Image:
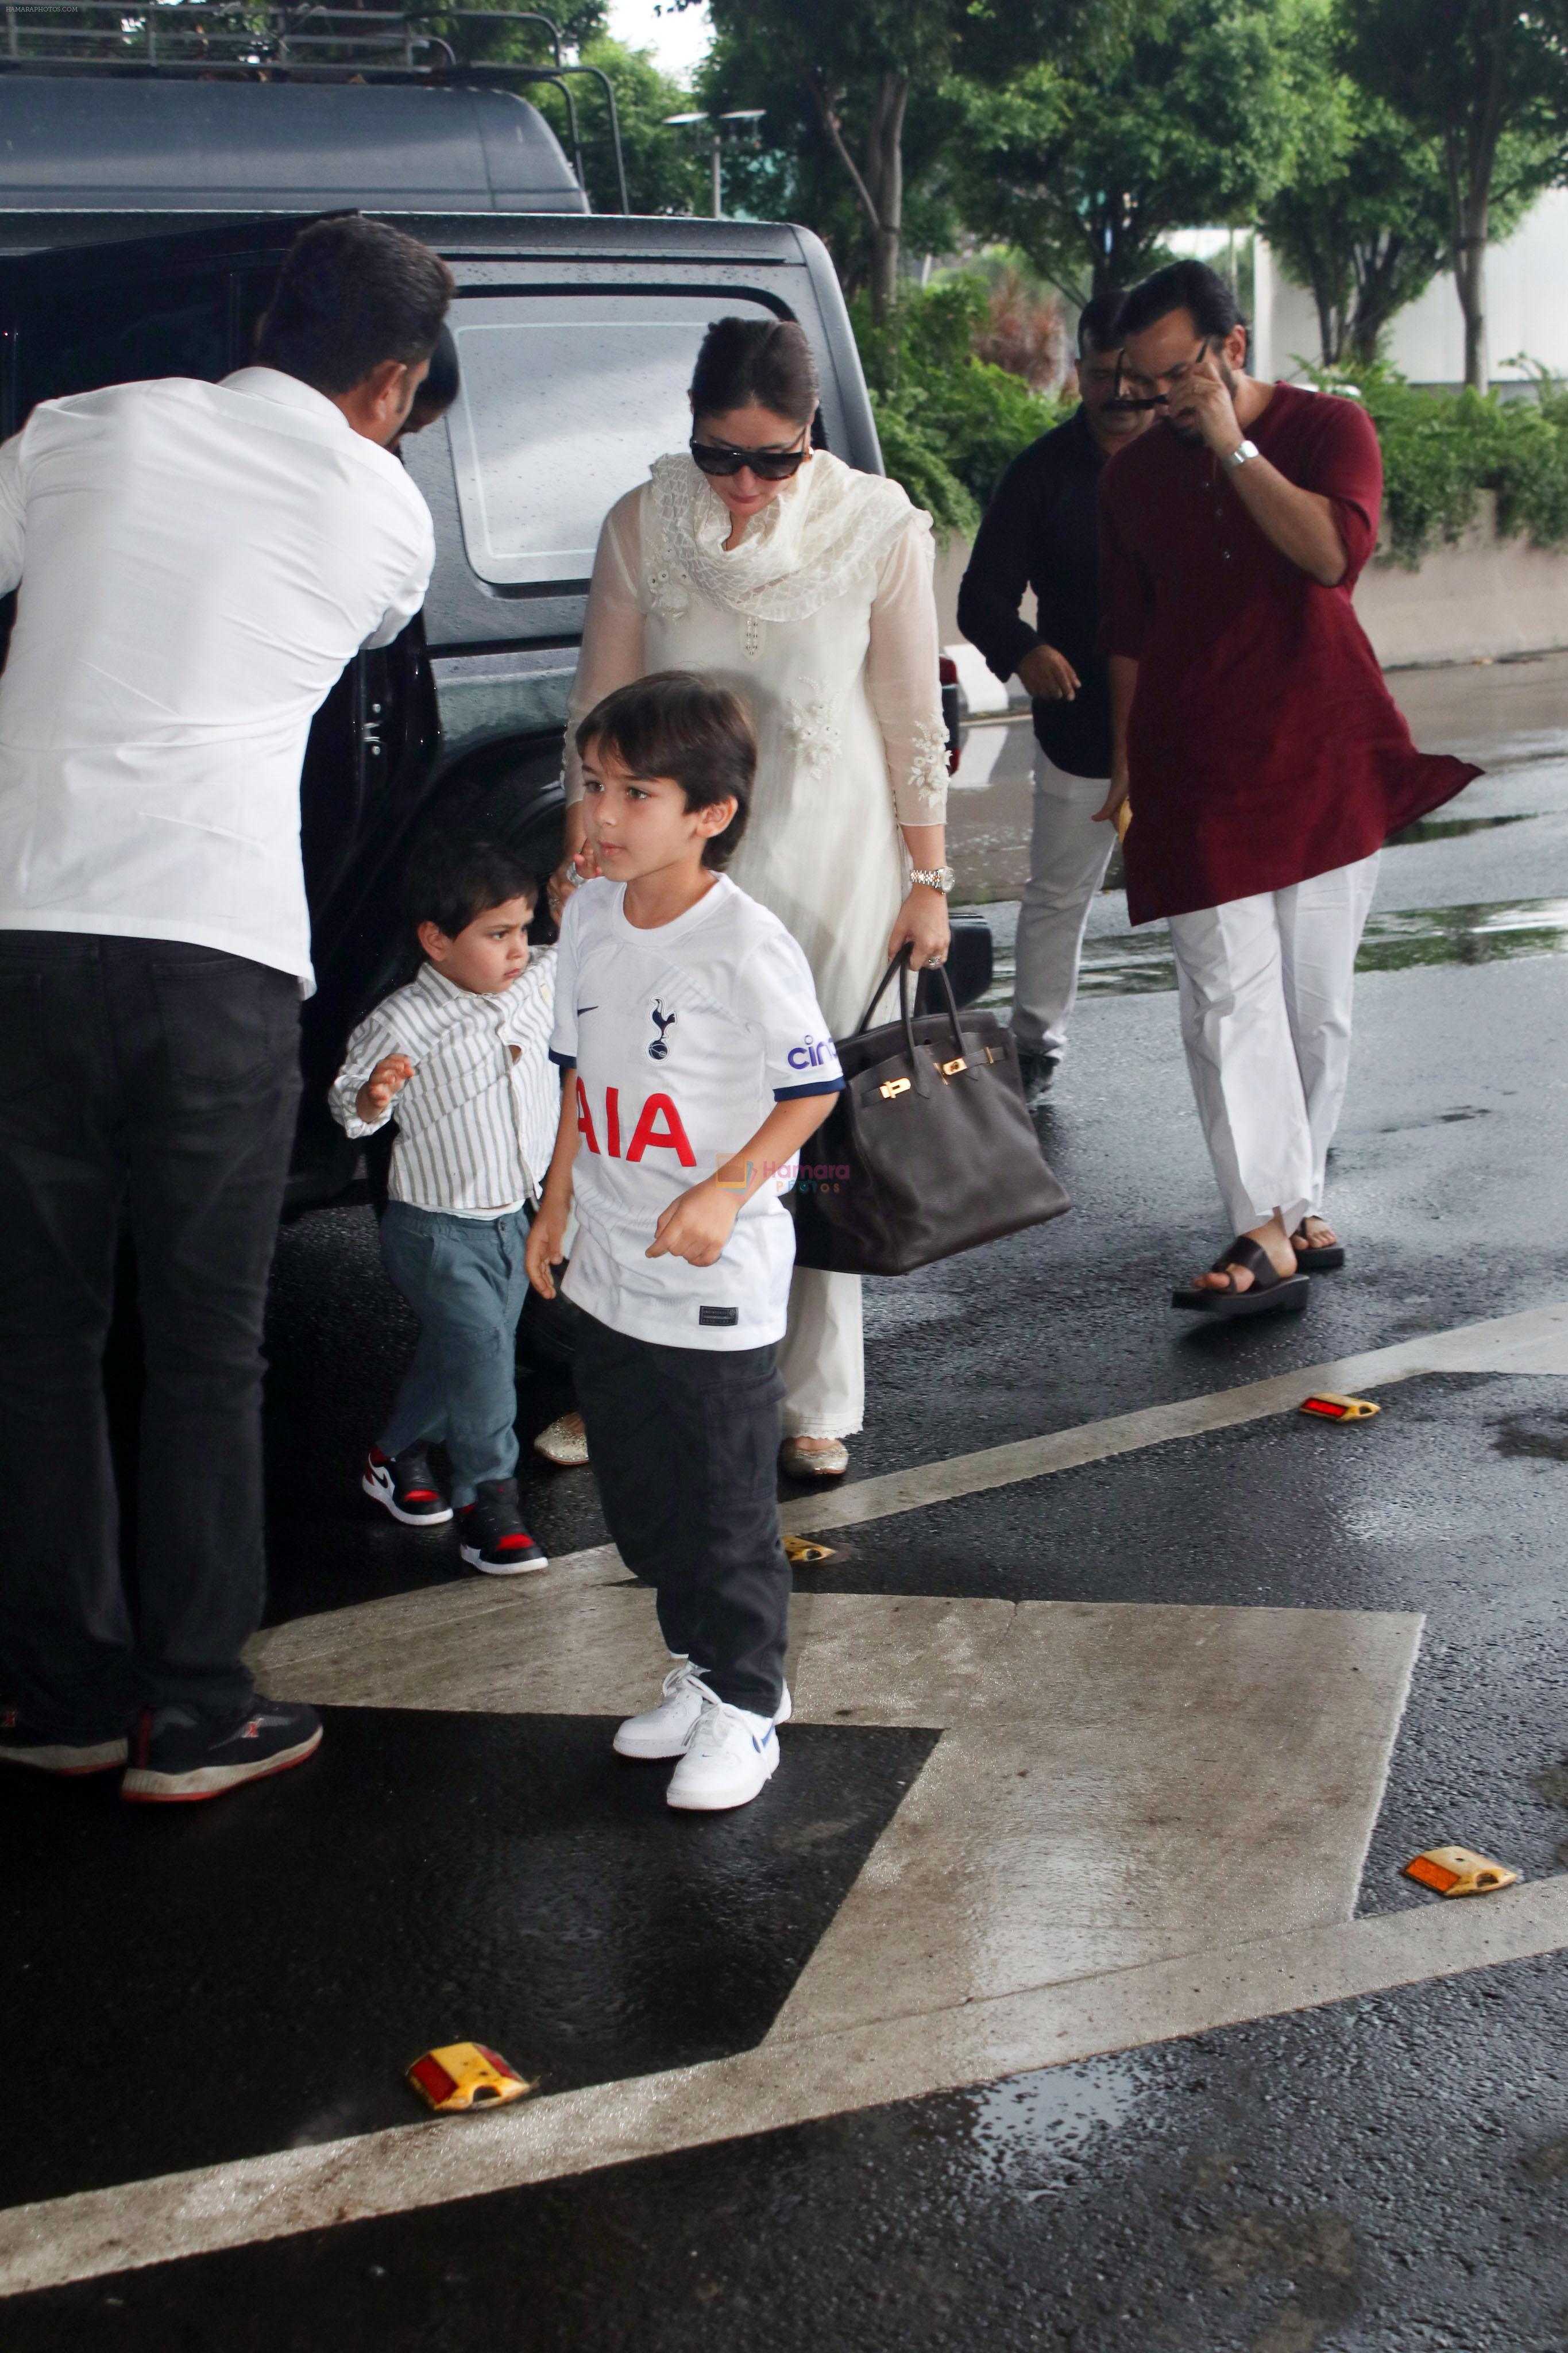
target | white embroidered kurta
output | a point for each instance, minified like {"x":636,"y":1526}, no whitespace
{"x":824,"y":622}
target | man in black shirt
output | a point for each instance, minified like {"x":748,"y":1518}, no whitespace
{"x":1042,"y":532}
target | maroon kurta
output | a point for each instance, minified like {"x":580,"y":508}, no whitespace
{"x":1263,"y":745}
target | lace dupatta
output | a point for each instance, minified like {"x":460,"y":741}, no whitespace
{"x":803,"y":549}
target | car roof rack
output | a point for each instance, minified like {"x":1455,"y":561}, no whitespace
{"x":242,"y":40}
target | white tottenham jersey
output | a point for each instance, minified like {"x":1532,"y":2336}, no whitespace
{"x":476,"y":1123}
{"x":682,"y":1039}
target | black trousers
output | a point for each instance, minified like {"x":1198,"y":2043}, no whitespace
{"x":685,"y":1443}
{"x":158,"y":1081}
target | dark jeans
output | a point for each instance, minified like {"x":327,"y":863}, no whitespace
{"x":158,"y":1081}
{"x":685,"y":1443}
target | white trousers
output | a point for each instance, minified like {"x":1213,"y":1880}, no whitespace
{"x":822,"y":1359}
{"x":1068,"y":858}
{"x":1265,"y":987}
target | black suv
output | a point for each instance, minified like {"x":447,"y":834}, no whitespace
{"x":576,"y":336}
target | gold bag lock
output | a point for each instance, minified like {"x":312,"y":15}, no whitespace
{"x":1456,"y":1870}
{"x":462,"y":2076}
{"x":1332,"y":1405}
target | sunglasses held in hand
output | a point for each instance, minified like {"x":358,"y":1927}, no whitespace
{"x":768,"y":465}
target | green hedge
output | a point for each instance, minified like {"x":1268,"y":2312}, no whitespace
{"x":949,"y":423}
{"x":1441,"y":450}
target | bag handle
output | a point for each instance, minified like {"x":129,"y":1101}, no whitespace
{"x":945,"y":979}
{"x":900,"y":965}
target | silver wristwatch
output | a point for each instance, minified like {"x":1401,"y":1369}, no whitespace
{"x":935,"y":877}
{"x":1239,"y":457}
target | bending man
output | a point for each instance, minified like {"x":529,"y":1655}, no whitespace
{"x":197,"y":563}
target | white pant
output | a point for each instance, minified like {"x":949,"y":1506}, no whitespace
{"x":822,"y":1359}
{"x":1068,"y":858}
{"x":1265,"y":986}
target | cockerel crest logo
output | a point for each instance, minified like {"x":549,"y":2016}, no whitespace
{"x":661,"y":1021}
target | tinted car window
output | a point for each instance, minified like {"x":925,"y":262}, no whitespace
{"x":122,"y":334}
{"x":567,"y":401}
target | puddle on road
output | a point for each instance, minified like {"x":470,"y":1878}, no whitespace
{"x":1445,"y":828}
{"x":1135,"y":963}
{"x":1031,"y":2127}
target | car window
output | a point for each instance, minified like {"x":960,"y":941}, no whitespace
{"x":75,"y":341}
{"x":567,"y":401}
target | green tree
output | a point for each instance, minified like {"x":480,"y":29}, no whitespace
{"x":856,"y":65}
{"x":664,"y":175}
{"x":1180,"y":116}
{"x":1487,"y":81}
{"x":794,"y":172}
{"x":1362,"y":219}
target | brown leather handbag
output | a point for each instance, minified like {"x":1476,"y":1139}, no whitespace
{"x":929,"y":1150}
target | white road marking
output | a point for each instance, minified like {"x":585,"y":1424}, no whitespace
{"x":775,"y":2085}
{"x":1116,"y":1784}
{"x":1237,"y":1742}
{"x":1535,"y":1341}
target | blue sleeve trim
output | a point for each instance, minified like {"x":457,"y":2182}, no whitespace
{"x":818,"y":1087}
{"x":563,"y":1061}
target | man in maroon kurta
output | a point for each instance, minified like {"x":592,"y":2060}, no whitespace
{"x":1265,"y":758}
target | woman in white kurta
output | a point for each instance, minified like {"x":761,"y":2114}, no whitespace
{"x":812,"y":599}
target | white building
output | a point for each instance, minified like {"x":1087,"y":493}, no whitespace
{"x":1527,"y":301}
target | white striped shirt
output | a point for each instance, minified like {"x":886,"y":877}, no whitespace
{"x":476,"y":1124}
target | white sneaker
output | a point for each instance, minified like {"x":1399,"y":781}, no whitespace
{"x":728,"y":1758}
{"x":664,"y":1731}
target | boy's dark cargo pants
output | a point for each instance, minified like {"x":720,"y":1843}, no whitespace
{"x":685,"y":1444}
{"x":159,"y":1082}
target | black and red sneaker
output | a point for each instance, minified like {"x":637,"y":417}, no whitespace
{"x":406,"y":1485}
{"x":45,"y":1752}
{"x":490,"y":1534}
{"x":178,"y":1756}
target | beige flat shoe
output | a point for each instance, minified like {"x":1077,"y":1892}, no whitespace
{"x":829,"y":1462}
{"x":564,"y":1443}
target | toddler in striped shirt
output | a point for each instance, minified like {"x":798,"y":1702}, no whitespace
{"x":462,"y":1056}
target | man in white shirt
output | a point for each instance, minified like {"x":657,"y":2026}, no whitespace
{"x":196,"y":564}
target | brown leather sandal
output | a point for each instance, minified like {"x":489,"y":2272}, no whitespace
{"x":1269,"y":1289}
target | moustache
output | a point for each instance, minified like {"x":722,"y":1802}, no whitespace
{"x":1123,"y":404}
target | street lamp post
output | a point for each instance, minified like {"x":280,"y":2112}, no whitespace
{"x":732,"y":124}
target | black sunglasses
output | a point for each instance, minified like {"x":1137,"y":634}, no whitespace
{"x":768,"y":465}
{"x":1124,"y":400}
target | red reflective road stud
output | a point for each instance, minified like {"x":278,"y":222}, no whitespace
{"x":430,"y":2079}
{"x":1331,"y":1405}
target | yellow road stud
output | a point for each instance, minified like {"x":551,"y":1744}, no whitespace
{"x":462,"y":2076}
{"x":1455,"y":1870}
{"x":801,"y":1553}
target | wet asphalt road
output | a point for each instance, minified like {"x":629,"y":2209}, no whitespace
{"x":1376,"y":2176}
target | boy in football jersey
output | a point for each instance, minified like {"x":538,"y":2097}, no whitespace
{"x":699,"y":1063}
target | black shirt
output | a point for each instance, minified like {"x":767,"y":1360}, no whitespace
{"x":1042,"y":532}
